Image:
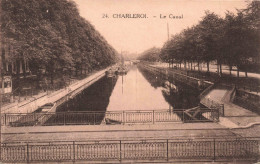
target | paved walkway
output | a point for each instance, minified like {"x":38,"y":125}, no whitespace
{"x":115,"y":132}
{"x":125,"y":132}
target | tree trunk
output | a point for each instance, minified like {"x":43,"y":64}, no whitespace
{"x":207,"y":66}
{"x":230,"y":69}
{"x":81,"y":69}
{"x":70,"y":72}
{"x":17,"y":69}
{"x":24,"y":69}
{"x":76,"y":71}
{"x":237,"y":71}
{"x":220,"y":69}
{"x":198,"y":66}
{"x":185,"y":65}
{"x":51,"y":77}
{"x":3,"y":60}
{"x":246,"y":73}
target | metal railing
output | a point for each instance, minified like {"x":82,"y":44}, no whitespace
{"x":213,"y":104}
{"x":180,"y":76}
{"x":110,"y":117}
{"x":122,"y":150}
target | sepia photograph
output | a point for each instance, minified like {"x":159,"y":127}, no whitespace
{"x":140,"y":81}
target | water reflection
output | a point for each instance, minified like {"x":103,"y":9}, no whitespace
{"x":93,"y":98}
{"x":177,"y":94}
{"x":134,"y":92}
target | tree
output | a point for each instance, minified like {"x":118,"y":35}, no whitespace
{"x":52,"y":35}
{"x":151,"y":55}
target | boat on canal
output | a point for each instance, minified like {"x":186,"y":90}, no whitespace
{"x":122,"y":70}
{"x":110,"y":73}
{"x":169,"y":88}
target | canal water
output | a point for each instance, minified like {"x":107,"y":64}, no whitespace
{"x":139,"y":89}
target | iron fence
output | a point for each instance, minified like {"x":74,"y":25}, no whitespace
{"x":183,"y":76}
{"x":118,"y":150}
{"x":110,"y":117}
{"x":213,"y":104}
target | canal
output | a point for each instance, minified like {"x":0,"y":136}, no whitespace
{"x":140,"y":89}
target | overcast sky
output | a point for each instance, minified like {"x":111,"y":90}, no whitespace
{"x":137,"y":35}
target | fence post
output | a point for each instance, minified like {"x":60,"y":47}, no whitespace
{"x":235,"y":149}
{"x":120,"y":150}
{"x":74,"y":155}
{"x":94,"y":118}
{"x":5,"y":119}
{"x":223,"y":110}
{"x":183,"y":117}
{"x":64,"y":119}
{"x":123,"y":115}
{"x":153,"y":116}
{"x":214,"y":144}
{"x":167,"y":146}
{"x":27,"y":152}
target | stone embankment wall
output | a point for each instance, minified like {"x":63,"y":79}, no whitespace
{"x":59,"y":96}
{"x":248,"y":100}
{"x":191,"y":81}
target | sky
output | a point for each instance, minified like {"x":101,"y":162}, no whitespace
{"x":135,"y":35}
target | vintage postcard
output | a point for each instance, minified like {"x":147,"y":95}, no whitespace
{"x":140,"y":81}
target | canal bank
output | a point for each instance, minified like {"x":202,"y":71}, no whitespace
{"x":220,"y":94}
{"x":57,"y":97}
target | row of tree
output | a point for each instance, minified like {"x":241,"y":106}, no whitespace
{"x":151,"y":55}
{"x":233,"y":40}
{"x":51,"y":35}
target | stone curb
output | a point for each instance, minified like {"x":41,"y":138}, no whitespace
{"x":247,"y":126}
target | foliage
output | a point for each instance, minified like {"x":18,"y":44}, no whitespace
{"x":53,"y":36}
{"x":151,"y":55}
{"x":233,"y":40}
